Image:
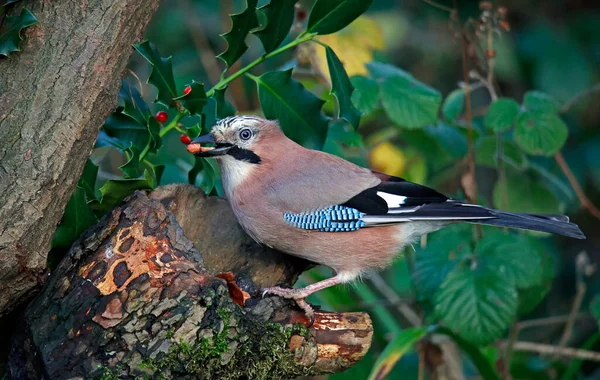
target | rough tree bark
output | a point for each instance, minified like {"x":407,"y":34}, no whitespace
{"x":135,"y":298}
{"x":54,"y":97}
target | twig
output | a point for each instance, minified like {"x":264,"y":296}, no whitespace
{"x":577,"y":98}
{"x":555,"y":320}
{"x":438,"y":6}
{"x":421,"y":362}
{"x":584,"y":269}
{"x":583,"y":199}
{"x":139,"y":82}
{"x":411,"y":316}
{"x":510,"y":346}
{"x":548,"y":349}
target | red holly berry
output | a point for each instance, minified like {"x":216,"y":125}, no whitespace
{"x":185,"y":139}
{"x":187,"y":90}
{"x":162,"y":116}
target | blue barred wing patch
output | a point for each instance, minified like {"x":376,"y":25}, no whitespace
{"x":330,"y":219}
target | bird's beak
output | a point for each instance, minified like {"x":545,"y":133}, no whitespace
{"x":196,"y":148}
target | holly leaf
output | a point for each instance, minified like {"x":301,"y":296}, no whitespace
{"x":502,"y":114}
{"x":77,"y":218}
{"x":408,"y":102}
{"x":132,"y":167}
{"x":204,"y":174}
{"x":443,"y":252}
{"x":126,"y":131}
{"x":154,"y":141}
{"x":342,"y":89}
{"x":10,"y":32}
{"x":161,"y":76}
{"x":298,"y":110}
{"x":133,"y":103}
{"x":329,"y":16}
{"x":540,"y":133}
{"x":195,"y":100}
{"x":365,"y":96}
{"x":393,"y":352}
{"x":453,"y":104}
{"x":115,"y":190}
{"x":88,"y":179}
{"x":223,"y":107}
{"x":478,"y":302}
{"x":280,"y":17}
{"x":241,"y":25}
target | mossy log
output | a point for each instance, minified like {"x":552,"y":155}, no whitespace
{"x":167,"y":286}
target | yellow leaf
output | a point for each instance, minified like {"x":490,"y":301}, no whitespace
{"x":354,"y":46}
{"x":407,"y":163}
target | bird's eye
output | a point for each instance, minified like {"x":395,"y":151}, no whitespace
{"x":245,"y":134}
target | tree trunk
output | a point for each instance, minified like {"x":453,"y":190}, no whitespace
{"x":134,"y":297}
{"x":54,"y":97}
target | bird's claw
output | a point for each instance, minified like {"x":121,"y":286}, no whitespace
{"x":296,"y":295}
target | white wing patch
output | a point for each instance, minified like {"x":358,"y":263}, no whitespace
{"x":392,"y":200}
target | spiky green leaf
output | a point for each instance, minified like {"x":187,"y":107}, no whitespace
{"x":10,"y":32}
{"x":298,"y":110}
{"x":342,"y":89}
{"x":195,"y":100}
{"x":223,"y":107}
{"x":161,"y":76}
{"x":133,"y":103}
{"x":132,"y":167}
{"x":329,"y":16}
{"x":279,"y":15}
{"x":204,"y":174}
{"x":241,"y":25}
{"x":113,"y":191}
{"x":77,"y":218}
{"x":88,"y":179}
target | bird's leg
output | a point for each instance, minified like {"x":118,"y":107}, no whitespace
{"x":300,"y":294}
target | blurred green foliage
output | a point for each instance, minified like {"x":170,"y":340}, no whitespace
{"x":388,"y":89}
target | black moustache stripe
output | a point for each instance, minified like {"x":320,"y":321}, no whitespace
{"x":245,"y":155}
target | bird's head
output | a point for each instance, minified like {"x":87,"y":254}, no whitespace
{"x":241,"y":138}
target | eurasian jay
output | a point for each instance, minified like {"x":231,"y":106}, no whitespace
{"x":330,"y":211}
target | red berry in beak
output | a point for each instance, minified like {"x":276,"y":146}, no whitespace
{"x":185,"y":139}
{"x":162,"y":116}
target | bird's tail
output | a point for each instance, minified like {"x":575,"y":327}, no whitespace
{"x":556,"y":224}
{"x":455,"y":211}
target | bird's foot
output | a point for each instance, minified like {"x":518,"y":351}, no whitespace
{"x":297,"y":295}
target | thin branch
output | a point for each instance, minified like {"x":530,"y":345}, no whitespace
{"x":409,"y":314}
{"x":579,"y":97}
{"x":548,"y":349}
{"x":583,"y":199}
{"x":554,"y":320}
{"x":438,"y":6}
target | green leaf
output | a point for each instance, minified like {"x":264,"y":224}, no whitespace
{"x":133,"y":103}
{"x":280,"y":17}
{"x":540,"y":133}
{"x":394,"y":351}
{"x":241,"y":25}
{"x":444,"y":251}
{"x":113,"y":191}
{"x":382,"y":71}
{"x":523,"y":194}
{"x":223,"y":107}
{"x":486,"y":371}
{"x":451,"y":139}
{"x":132,"y":167}
{"x":540,"y":102}
{"x":513,"y":256}
{"x":88,"y":179}
{"x":531,"y":297}
{"x":365,"y":96}
{"x":454,"y":103}
{"x":204,"y":174}
{"x":298,"y":110}
{"x":343,"y":141}
{"x":77,"y":218}
{"x":478,"y":302}
{"x":10,"y":32}
{"x":161,"y":76}
{"x":154,"y":142}
{"x":408,"y":102}
{"x":342,"y":89}
{"x":329,"y":16}
{"x":195,"y":100}
{"x":502,"y":114}
{"x":126,"y":131}
{"x":486,"y":152}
